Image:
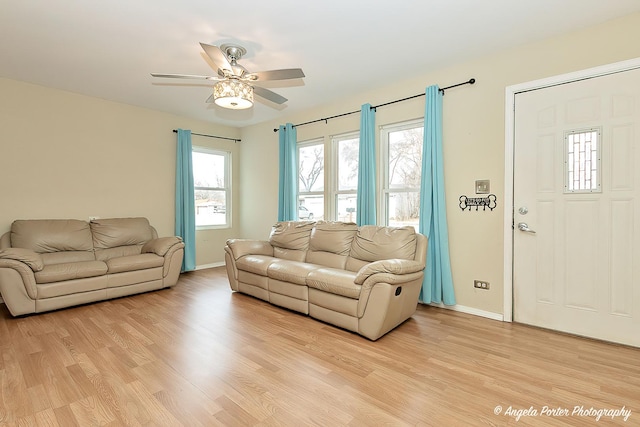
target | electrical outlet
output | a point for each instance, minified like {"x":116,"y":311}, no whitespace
{"x":483,"y":186}
{"x":481,"y":284}
{"x":92,"y":218}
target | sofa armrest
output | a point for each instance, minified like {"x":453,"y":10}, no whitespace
{"x":24,"y":274}
{"x":388,"y":267}
{"x":242,"y":247}
{"x":161,"y":245}
{"x":385,"y":285}
{"x":26,"y":256}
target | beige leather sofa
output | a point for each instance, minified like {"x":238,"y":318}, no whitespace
{"x":51,"y":264}
{"x":365,"y":279}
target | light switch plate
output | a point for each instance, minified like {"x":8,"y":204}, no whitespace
{"x":483,"y":186}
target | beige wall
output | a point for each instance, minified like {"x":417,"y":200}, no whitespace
{"x":64,"y":155}
{"x":473,"y":138}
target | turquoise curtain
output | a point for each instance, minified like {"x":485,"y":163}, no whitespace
{"x":366,"y":195}
{"x":437,"y":286}
{"x":185,"y":199}
{"x":288,"y":178}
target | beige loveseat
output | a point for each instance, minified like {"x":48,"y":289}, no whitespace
{"x":365,"y":279}
{"x":51,"y":264}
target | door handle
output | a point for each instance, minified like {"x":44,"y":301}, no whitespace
{"x":523,"y":226}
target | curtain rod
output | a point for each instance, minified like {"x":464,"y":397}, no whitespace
{"x":212,"y":136}
{"x":469,"y":82}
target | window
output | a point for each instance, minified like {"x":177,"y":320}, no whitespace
{"x":311,"y":180}
{"x":346,"y":149}
{"x":402,"y":165}
{"x":582,"y":161}
{"x":212,"y":184}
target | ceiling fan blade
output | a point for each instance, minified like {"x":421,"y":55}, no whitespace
{"x":285,"y":74}
{"x":269,"y":95}
{"x":185,"y":76}
{"x":217,"y":56}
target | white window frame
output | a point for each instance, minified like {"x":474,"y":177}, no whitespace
{"x":335,"y":190}
{"x":323,"y":192}
{"x":385,"y":130}
{"x":227,"y":186}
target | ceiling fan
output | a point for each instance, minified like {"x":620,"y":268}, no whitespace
{"x":234,"y":88}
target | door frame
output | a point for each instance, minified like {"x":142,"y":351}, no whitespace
{"x":509,"y":145}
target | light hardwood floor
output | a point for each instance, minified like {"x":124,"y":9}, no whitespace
{"x":200,"y":355}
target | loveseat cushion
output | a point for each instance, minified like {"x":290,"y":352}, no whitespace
{"x":334,"y":281}
{"x":69,"y":271}
{"x":113,"y":232}
{"x":134,"y":262}
{"x":51,"y":235}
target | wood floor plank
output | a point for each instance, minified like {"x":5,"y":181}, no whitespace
{"x":46,"y":418}
{"x":200,"y":355}
{"x":65,"y":417}
{"x":91,"y":411}
{"x":191,"y":411}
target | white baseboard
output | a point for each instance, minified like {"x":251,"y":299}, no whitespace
{"x":205,"y":266}
{"x":471,"y":310}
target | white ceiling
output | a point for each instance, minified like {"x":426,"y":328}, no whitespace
{"x":107,"y":49}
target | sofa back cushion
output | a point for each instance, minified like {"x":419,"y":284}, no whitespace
{"x":330,"y":243}
{"x":113,"y":232}
{"x":374,"y":243}
{"x":117,"y":237}
{"x":290,"y":239}
{"x":52,"y":235}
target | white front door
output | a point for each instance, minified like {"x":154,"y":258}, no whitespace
{"x":576,"y":242}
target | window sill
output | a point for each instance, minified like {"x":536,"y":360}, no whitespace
{"x":212,"y":227}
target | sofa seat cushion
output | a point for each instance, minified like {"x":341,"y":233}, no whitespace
{"x":290,"y":271}
{"x":117,"y":252}
{"x":72,"y":287}
{"x":257,"y":264}
{"x":134,"y":262}
{"x":69,"y":271}
{"x":67,"y":257}
{"x":334,"y":281}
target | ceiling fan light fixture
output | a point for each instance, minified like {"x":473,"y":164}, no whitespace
{"x":233,"y":94}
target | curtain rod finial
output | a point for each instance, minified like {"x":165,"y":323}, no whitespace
{"x":472,"y":81}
